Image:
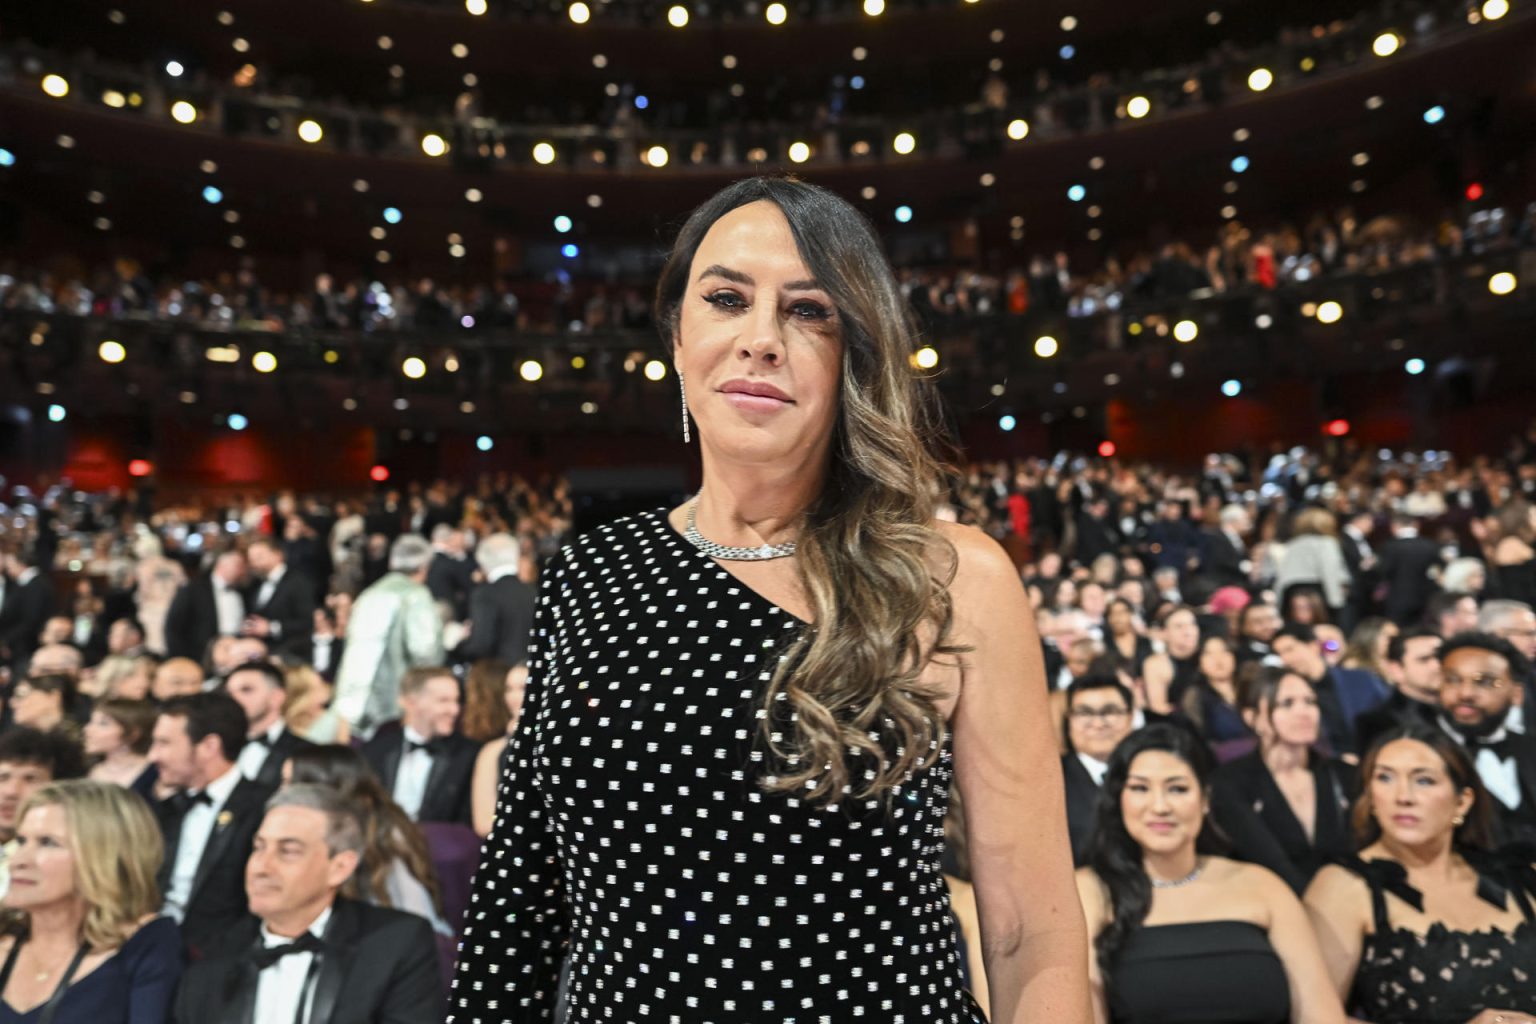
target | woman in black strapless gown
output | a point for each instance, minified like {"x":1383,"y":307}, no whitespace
{"x":1182,"y":936}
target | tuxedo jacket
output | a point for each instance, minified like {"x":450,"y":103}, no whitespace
{"x":292,"y":606}
{"x":26,"y":611}
{"x":447,"y":796}
{"x":1248,"y":805}
{"x":379,"y":966}
{"x":1398,"y":710}
{"x":285,"y":746}
{"x":1518,"y":824}
{"x":1221,"y":561}
{"x":217,"y":900}
{"x":451,"y":580}
{"x":1402,"y":565}
{"x":192,"y":621}
{"x":1082,"y":803}
{"x":502,"y":617}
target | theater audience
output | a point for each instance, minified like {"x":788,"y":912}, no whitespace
{"x":29,"y":603}
{"x":1427,"y":925}
{"x":1177,"y":932}
{"x":209,"y":821}
{"x":1412,"y":668}
{"x":501,"y":608}
{"x":423,"y":760}
{"x":280,"y":607}
{"x":117,"y":744}
{"x":1479,"y":684}
{"x":308,"y":709}
{"x":1100,"y":713}
{"x":261,"y":689}
{"x":29,"y":760}
{"x":210,"y":606}
{"x":1343,"y":694}
{"x":370,"y":965}
{"x":487,"y":775}
{"x":85,"y":942}
{"x":396,"y":869}
{"x":1285,"y":806}
{"x":395,"y":627}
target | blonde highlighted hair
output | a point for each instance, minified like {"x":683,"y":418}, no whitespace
{"x":117,"y":849}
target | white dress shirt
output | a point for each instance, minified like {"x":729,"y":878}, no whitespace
{"x":268,"y":588}
{"x":1501,"y":776}
{"x":196,"y":828}
{"x":255,"y":753}
{"x":411,"y":777}
{"x":229,"y":606}
{"x":280,"y":987}
{"x":1096,"y":768}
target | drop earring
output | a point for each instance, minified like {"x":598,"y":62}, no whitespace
{"x":683,"y":391}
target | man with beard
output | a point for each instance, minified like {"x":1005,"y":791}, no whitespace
{"x":1412,"y":666}
{"x":1478,"y":685}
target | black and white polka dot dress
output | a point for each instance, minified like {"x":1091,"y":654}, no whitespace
{"x":634,"y":836}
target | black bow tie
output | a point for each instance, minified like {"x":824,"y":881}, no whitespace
{"x":1503,"y":748}
{"x":184,"y":802}
{"x":266,"y":956}
{"x":432,"y":747}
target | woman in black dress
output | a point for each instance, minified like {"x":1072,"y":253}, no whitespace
{"x":726,"y":799}
{"x":1180,"y":934}
{"x":1428,"y":925}
{"x":1285,"y":806}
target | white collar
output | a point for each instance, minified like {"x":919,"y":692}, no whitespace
{"x":316,"y":928}
{"x":500,"y":572}
{"x":276,"y":575}
{"x":27,"y":576}
{"x":276,"y":730}
{"x":413,"y":736}
{"x":1096,"y":768}
{"x":220,"y":788}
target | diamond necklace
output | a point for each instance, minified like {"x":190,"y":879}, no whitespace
{"x":1177,"y":883}
{"x":713,"y":550}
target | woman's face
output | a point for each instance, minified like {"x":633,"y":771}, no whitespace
{"x":516,"y":688}
{"x":1162,"y":803}
{"x":1412,"y":795}
{"x":43,"y":867}
{"x":1066,"y":594}
{"x":103,"y":734}
{"x":133,"y":686}
{"x":752,"y":317}
{"x":1119,"y":619}
{"x":1216,"y":660}
{"x":1295,"y":718}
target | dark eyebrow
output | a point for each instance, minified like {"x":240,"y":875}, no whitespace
{"x":737,"y":277}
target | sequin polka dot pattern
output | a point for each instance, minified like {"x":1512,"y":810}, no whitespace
{"x":633,"y":833}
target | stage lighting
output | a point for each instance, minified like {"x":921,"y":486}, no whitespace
{"x":235,"y":421}
{"x":1138,"y":107}
{"x":562,"y":224}
{"x":799,"y":152}
{"x":570,"y":250}
{"x":1077,"y":193}
{"x":531,"y":370}
{"x":1414,"y":367}
{"x":1067,"y":52}
{"x":1386,"y":44}
{"x":904,"y":143}
{"x":414,"y":367}
{"x":174,"y":68}
{"x":476,"y":7}
{"x":926,"y":358}
{"x":874,"y":8}
{"x":1474,"y":192}
{"x":579,"y":12}
{"x":433,"y":144}
{"x":55,"y":86}
{"x":392,"y":215}
{"x":1260,"y":79}
{"x":657,"y":156}
{"x":56,"y":414}
{"x":1434,"y":115}
{"x":212,"y":194}
{"x":310,"y":131}
{"x":112,"y":352}
{"x":1006,"y":423}
{"x":655,"y":370}
{"x":1502,"y":283}
{"x":183,"y":112}
{"x":1329,"y":312}
{"x":904,"y":214}
{"x":264,"y":362}
{"x":1046,"y":346}
{"x":1107,"y":449}
{"x":776,"y":14}
{"x":1232,"y":388}
{"x":677,"y":16}
{"x":1493,"y":10}
{"x":1186,"y":331}
{"x":1018,"y":128}
{"x":379,"y":474}
{"x":484,"y":443}
{"x":7,"y":158}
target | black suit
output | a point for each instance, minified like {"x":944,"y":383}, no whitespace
{"x":217,"y":900}
{"x":450,"y":580}
{"x":292,"y":607}
{"x":192,"y":621}
{"x":1256,"y":817}
{"x":502,"y":616}
{"x":447,"y":796}
{"x":1398,"y":710}
{"x":1082,"y":804}
{"x":379,"y":966}
{"x":1516,"y":824}
{"x":279,"y":750}
{"x":1221,"y":561}
{"x":28,"y":607}
{"x":1403,"y":565}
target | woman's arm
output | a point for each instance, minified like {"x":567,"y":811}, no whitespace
{"x":482,"y":787}
{"x":1336,"y":904}
{"x":1034,"y":944}
{"x":1156,"y":678}
{"x":1313,"y":1001}
{"x":1090,"y":893}
{"x":962,"y":900}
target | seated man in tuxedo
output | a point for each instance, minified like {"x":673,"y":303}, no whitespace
{"x":1343,"y":694}
{"x":281,"y":607}
{"x":209,"y":823}
{"x":423,"y":759}
{"x":1412,"y":665}
{"x":261,"y":690}
{"x":1479,"y":683}
{"x":1100,"y":714}
{"x":309,"y":954}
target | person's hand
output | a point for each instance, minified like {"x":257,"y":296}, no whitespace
{"x":255,"y":625}
{"x":1491,"y":1016}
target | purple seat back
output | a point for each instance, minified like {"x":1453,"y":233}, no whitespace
{"x":455,"y":851}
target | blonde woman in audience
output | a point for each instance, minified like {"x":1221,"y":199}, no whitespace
{"x":307,"y":708}
{"x":82,"y":929}
{"x":120,"y":675}
{"x":488,"y":763}
{"x":117,"y":742}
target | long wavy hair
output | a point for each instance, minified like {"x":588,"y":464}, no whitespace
{"x":388,"y":832}
{"x":1476,"y":831}
{"x":846,"y":707}
{"x":1115,"y":856}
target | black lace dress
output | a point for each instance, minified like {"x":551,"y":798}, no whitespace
{"x":1445,"y":976}
{"x":633,"y":835}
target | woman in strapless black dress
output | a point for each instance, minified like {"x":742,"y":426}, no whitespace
{"x":1428,"y":925}
{"x":725,"y":803}
{"x":1180,"y":934}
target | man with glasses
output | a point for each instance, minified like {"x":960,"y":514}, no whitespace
{"x":1479,"y":684}
{"x":1100,"y":714}
{"x":1515,"y":622}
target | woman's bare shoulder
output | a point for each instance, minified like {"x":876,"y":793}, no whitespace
{"x":978,"y":559}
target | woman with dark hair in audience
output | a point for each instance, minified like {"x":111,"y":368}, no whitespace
{"x":1210,"y":701}
{"x":1172,"y":670}
{"x":117,"y":740}
{"x":485,"y":703}
{"x":1285,"y":806}
{"x":396,"y":869}
{"x":82,"y":937}
{"x":1178,"y":933}
{"x":1302,"y":605}
{"x":1126,"y":646}
{"x":483,"y":784}
{"x":1428,"y":924}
